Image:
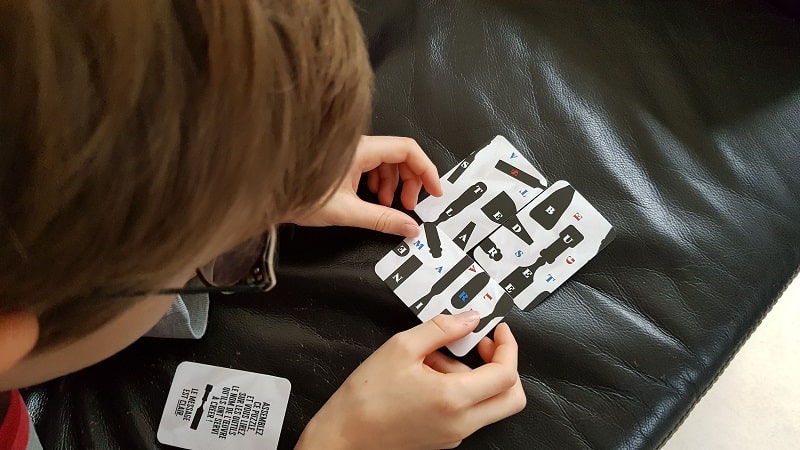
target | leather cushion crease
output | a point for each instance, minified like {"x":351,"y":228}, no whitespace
{"x":678,"y":121}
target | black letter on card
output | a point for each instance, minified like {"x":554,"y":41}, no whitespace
{"x":462,"y":237}
{"x":513,"y":224}
{"x":446,"y":280}
{"x":462,"y":166}
{"x":552,"y":208}
{"x":403,"y":272}
{"x":402,"y":249}
{"x":513,"y":172}
{"x":466,"y":198}
{"x":500,"y":208}
{"x":491,"y":249}
{"x":465,"y":295}
{"x":522,"y":277}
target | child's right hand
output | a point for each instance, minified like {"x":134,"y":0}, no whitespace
{"x":408,"y":395}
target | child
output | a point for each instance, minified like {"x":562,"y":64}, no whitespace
{"x":141,"y":140}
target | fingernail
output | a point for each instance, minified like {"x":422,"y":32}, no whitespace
{"x":468,"y":317}
{"x":410,"y":230}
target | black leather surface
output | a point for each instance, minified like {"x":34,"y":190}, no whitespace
{"x":678,"y":120}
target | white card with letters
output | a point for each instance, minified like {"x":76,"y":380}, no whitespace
{"x":482,"y":192}
{"x":553,"y":237}
{"x":514,"y":241}
{"x":431,"y":275}
{"x":210,"y":407}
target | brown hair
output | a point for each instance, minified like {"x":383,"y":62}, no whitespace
{"x":130,"y":131}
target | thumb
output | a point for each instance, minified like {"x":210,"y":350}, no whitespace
{"x":381,"y":218}
{"x":440,"y":331}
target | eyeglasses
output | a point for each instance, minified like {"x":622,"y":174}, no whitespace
{"x":250,"y":265}
{"x":248,"y":268}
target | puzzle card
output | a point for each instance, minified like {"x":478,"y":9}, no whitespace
{"x":544,"y":244}
{"x":219,"y":408}
{"x":482,"y":192}
{"x":431,"y":275}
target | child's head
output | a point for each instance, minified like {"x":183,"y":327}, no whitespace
{"x":141,"y":139}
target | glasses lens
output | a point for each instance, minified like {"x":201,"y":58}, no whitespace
{"x":237,"y":265}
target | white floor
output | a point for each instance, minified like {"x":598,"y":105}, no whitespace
{"x":755,"y":403}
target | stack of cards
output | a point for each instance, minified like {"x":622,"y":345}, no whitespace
{"x":514,"y":241}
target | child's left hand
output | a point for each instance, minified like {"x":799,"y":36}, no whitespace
{"x":386,"y":160}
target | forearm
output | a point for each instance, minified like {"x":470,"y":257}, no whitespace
{"x":319,"y":434}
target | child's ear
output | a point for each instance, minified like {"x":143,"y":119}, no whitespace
{"x":19,"y":331}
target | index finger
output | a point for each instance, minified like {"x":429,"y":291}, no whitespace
{"x":498,"y":375}
{"x":397,"y":150}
